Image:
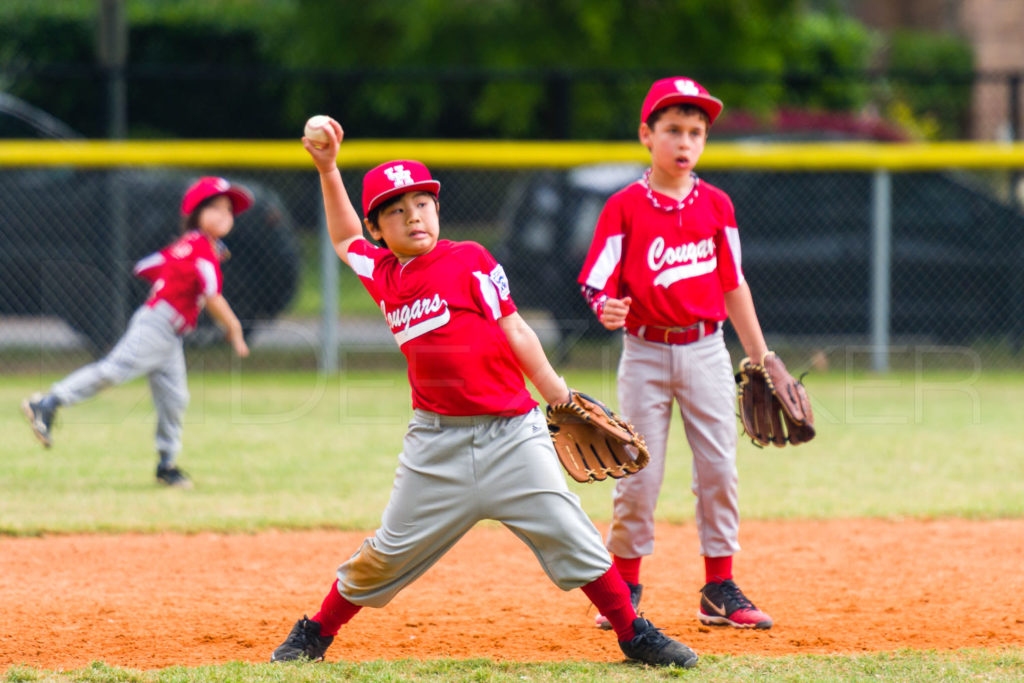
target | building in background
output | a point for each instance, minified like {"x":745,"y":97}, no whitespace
{"x":995,"y":30}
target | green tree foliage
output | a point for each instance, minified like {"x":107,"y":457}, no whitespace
{"x":827,"y":54}
{"x":194,"y":65}
{"x":453,"y":68}
{"x":32,"y":41}
{"x":504,"y":60}
{"x":930,"y":82}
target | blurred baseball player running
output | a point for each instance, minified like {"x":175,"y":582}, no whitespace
{"x":186,"y":276}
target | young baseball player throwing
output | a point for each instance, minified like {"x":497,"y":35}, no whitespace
{"x":477,"y":446}
{"x":186,"y":276}
{"x":665,"y":265}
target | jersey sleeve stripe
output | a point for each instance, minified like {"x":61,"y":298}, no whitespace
{"x":151,"y":261}
{"x":208,"y":275}
{"x":606,"y":263}
{"x":362,"y":265}
{"x":489,"y":293}
{"x":732,"y":235}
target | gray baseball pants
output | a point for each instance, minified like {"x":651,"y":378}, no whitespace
{"x":456,"y":471}
{"x":699,"y":377}
{"x":152,"y":346}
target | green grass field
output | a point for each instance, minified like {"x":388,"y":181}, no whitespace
{"x":296,"y":450}
{"x":903,"y":667}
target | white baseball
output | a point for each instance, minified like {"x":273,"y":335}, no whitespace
{"x":316,"y":130}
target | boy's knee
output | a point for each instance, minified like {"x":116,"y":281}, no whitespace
{"x":367,"y":578}
{"x":108,"y":377}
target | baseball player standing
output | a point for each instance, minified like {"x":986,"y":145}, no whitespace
{"x":665,"y":265}
{"x":186,"y":275}
{"x":477,"y":446}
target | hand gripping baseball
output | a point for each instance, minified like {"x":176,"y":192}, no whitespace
{"x":774,"y":406}
{"x":592,"y":442}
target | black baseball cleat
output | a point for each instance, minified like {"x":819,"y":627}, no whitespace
{"x":172,"y":476}
{"x":39,"y":410}
{"x":651,"y":646}
{"x":303,"y":643}
{"x":724,"y":604}
{"x":636,"y":590}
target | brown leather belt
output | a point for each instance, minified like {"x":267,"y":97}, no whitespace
{"x":676,"y":335}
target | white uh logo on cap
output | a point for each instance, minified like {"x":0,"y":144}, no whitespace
{"x":687,"y":87}
{"x":398,"y":175}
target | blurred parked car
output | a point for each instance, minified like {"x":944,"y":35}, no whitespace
{"x":70,"y":237}
{"x":806,"y":247}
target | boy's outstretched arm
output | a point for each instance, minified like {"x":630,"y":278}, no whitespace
{"x":217,"y":306}
{"x":532,"y":359}
{"x":740,"y":305}
{"x":342,"y":220}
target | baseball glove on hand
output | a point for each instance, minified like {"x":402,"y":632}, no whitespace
{"x":592,"y":442}
{"x":774,"y":407}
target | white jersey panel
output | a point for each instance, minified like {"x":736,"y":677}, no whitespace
{"x":732,"y":235}
{"x":151,"y":261}
{"x":362,"y":265}
{"x":208,"y":277}
{"x":606,"y":263}
{"x":489,"y":293}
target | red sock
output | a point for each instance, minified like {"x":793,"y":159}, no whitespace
{"x":629,"y":568}
{"x":335,"y":611}
{"x":717,"y":569}
{"x":610,"y":595}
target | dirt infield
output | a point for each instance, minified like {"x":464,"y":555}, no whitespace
{"x":151,"y":601}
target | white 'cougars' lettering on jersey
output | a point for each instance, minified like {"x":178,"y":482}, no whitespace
{"x":694,"y":258}
{"x":424,"y":315}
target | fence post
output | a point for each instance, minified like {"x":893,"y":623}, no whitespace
{"x":881,"y":263}
{"x":1016,"y":133}
{"x":120,"y":266}
{"x":558,"y":86}
{"x":329,"y":297}
{"x":1016,"y":200}
{"x":112,"y":52}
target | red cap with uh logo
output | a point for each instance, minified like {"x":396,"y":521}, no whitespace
{"x":211,"y":186}
{"x":393,"y":178}
{"x":678,"y":90}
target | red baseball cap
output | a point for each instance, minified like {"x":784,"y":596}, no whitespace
{"x":211,"y":186}
{"x":679,"y":90}
{"x":394,"y":178}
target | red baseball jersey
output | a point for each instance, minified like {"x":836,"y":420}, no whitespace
{"x":183,"y":274}
{"x":443,"y":309}
{"x":676,"y":259}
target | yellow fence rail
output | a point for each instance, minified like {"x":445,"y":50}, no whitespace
{"x":837,"y":156}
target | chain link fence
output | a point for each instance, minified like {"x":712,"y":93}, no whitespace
{"x":869,"y":263}
{"x":874,"y":267}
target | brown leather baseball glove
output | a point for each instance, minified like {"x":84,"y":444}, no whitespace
{"x":774,"y":406}
{"x":592,"y":442}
